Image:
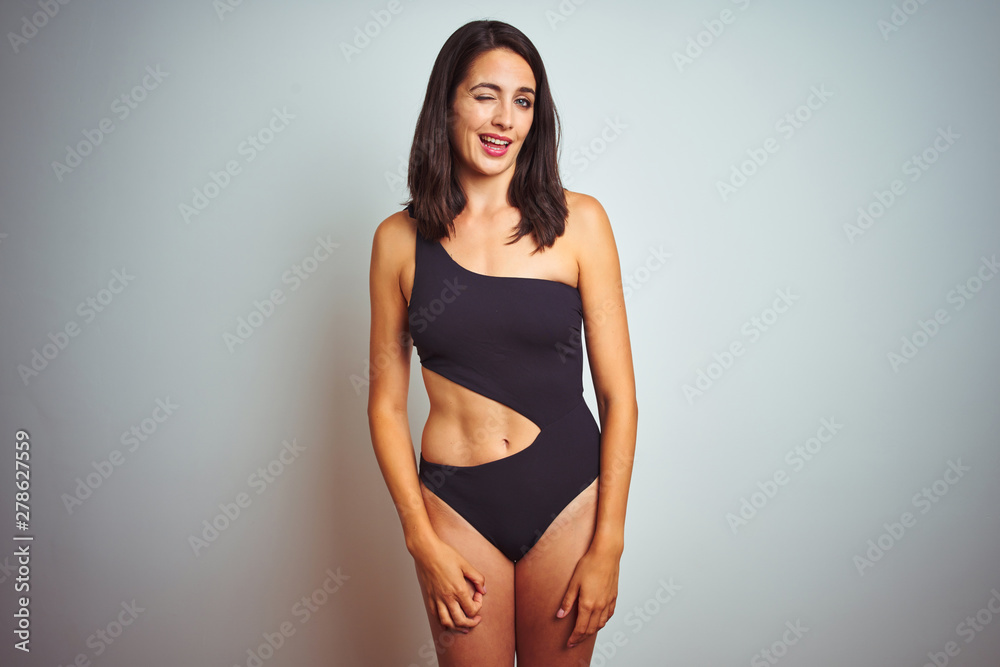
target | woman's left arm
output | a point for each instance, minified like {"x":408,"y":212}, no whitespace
{"x":594,"y":584}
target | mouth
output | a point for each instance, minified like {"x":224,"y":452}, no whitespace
{"x":494,"y":145}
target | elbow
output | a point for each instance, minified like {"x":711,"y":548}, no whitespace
{"x":619,"y":402}
{"x":378,"y":410}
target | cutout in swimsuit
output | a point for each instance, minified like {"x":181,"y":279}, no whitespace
{"x":516,"y":341}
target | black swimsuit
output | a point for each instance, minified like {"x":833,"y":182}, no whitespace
{"x":516,"y":341}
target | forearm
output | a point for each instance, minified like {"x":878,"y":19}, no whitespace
{"x":393,"y":446}
{"x":618,"y":433}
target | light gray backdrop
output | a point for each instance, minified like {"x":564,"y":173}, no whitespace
{"x":804,"y":197}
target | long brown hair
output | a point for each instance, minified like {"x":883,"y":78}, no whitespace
{"x":436,"y":197}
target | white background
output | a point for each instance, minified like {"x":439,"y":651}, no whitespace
{"x":330,"y":173}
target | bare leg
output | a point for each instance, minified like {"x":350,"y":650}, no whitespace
{"x":491,"y":643}
{"x":540,"y":582}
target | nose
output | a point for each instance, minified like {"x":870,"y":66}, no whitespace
{"x":504,"y":116}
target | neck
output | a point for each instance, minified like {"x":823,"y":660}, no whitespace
{"x":485,"y":195}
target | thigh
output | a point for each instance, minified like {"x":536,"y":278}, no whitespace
{"x":491,"y":643}
{"x":540,"y":582}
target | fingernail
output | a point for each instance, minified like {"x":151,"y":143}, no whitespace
{"x":560,"y":613}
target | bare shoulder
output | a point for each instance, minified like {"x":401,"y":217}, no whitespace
{"x":587,"y":223}
{"x":393,"y":240}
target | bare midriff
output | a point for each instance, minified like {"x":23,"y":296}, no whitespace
{"x":465,"y":428}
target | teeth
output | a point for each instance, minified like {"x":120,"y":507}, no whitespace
{"x":498,"y":142}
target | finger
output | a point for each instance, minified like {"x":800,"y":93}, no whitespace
{"x":568,"y":599}
{"x":476,"y":601}
{"x":595,"y":622}
{"x":462,"y":622}
{"x":476,"y":577}
{"x":580,"y":629}
{"x":475,"y":605}
{"x":444,"y":616}
{"x":470,"y":603}
{"x":605,"y":615}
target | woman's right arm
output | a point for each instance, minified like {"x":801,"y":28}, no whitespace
{"x":390,"y":349}
{"x":446,"y":573}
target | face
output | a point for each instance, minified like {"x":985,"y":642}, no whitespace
{"x":496,"y":100}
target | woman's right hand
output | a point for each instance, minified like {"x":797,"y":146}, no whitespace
{"x":452,"y":586}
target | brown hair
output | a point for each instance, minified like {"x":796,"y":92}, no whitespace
{"x":436,"y":197}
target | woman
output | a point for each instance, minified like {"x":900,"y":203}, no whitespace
{"x":515,"y":516}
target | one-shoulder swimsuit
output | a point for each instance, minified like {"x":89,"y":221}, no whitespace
{"x":516,"y":341}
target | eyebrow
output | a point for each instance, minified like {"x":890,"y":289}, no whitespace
{"x":493,"y":86}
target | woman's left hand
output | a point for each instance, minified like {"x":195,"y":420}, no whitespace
{"x":594,"y":586}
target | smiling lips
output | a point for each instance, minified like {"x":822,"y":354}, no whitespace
{"x":494,"y":144}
